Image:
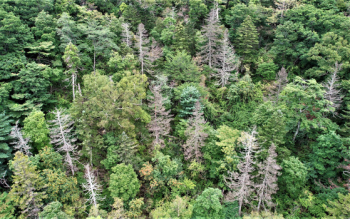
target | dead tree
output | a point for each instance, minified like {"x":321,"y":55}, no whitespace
{"x":240,"y":183}
{"x":195,"y":135}
{"x":126,"y":34}
{"x":152,"y":54}
{"x":210,"y":42}
{"x":284,"y":5}
{"x":91,"y":186}
{"x":142,"y":41}
{"x":281,"y":80}
{"x":333,"y":93}
{"x":268,"y":171}
{"x":226,"y":62}
{"x":21,"y":143}
{"x":160,"y":120}
{"x":63,"y":137}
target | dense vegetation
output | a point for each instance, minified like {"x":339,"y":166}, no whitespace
{"x":174,"y":109}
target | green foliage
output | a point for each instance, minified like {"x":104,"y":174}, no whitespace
{"x":123,"y":182}
{"x":36,"y":129}
{"x":7,"y":209}
{"x":327,"y":156}
{"x":120,"y":149}
{"x":27,"y":192}
{"x":135,"y":208}
{"x":5,"y":150}
{"x":247,"y":42}
{"x":340,"y":208}
{"x":208,"y":204}
{"x":189,"y":96}
{"x":181,"y":67}
{"x":198,"y":11}
{"x":180,"y":207}
{"x":293,"y":177}
{"x":267,"y":71}
{"x":53,"y":210}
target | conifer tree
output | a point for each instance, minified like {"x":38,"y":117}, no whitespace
{"x":141,"y":45}
{"x":160,"y":118}
{"x":226,"y":62}
{"x":241,"y":183}
{"x":268,"y":171}
{"x":127,"y":34}
{"x":26,"y":192}
{"x":20,"y":143}
{"x":332,"y":93}
{"x":211,"y":42}
{"x":72,"y":60}
{"x":120,"y":150}
{"x":5,"y":150}
{"x":63,"y":137}
{"x":195,"y":135}
{"x":247,"y":40}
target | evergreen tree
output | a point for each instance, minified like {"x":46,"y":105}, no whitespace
{"x":247,"y":41}
{"x":5,"y":150}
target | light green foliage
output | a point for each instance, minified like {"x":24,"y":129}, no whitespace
{"x":178,"y":208}
{"x":36,"y":129}
{"x":306,"y":106}
{"x":26,"y":193}
{"x":97,"y":213}
{"x":331,"y":49}
{"x":293,"y":177}
{"x":267,"y":71}
{"x":107,"y":105}
{"x":117,"y":209}
{"x":247,"y":42}
{"x":5,"y":150}
{"x":179,"y":66}
{"x":227,"y":142}
{"x":53,"y":211}
{"x":7,"y":209}
{"x":340,"y":208}
{"x":327,"y":156}
{"x":208,"y":204}
{"x":263,"y":215}
{"x":121,"y":66}
{"x":135,"y":208}
{"x":123,"y":182}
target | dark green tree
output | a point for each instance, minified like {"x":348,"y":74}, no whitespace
{"x":5,"y":150}
{"x":247,"y":41}
{"x":208,"y":204}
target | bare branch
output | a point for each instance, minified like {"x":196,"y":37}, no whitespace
{"x":332,"y":92}
{"x":91,"y":186}
{"x":22,"y":143}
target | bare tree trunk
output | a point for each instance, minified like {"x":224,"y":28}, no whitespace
{"x":297,"y":131}
{"x":73,"y":85}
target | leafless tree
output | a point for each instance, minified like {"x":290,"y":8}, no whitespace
{"x":211,"y":42}
{"x":268,"y":171}
{"x":195,"y":135}
{"x":91,"y":186}
{"x":21,"y":143}
{"x":281,"y":80}
{"x":126,"y":34}
{"x":160,"y":122}
{"x":142,"y":41}
{"x":332,"y":88}
{"x":226,"y":62}
{"x":284,"y":5}
{"x":152,"y":54}
{"x":240,"y":183}
{"x":62,"y":136}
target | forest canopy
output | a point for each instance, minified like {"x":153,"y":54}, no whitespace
{"x":174,"y":109}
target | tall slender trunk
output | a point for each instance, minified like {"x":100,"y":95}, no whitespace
{"x":73,"y":85}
